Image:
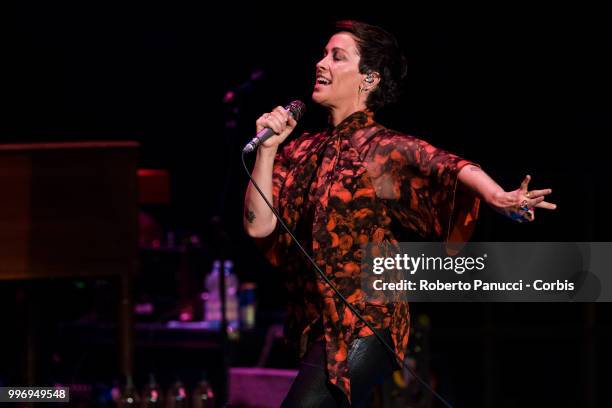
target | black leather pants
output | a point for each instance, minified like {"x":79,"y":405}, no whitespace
{"x":369,"y":364}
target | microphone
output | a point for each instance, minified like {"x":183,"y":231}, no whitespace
{"x":296,"y":110}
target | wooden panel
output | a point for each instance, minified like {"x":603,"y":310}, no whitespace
{"x":74,"y":210}
{"x":15,"y":184}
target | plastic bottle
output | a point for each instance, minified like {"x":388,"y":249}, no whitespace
{"x":248,"y":305}
{"x":129,"y":396}
{"x":213,"y":298}
{"x":203,"y":395}
{"x":177,"y":395}
{"x":231,"y":297}
{"x":212,"y":307}
{"x":152,"y":394}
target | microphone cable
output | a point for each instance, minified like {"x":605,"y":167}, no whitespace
{"x":331,"y":285}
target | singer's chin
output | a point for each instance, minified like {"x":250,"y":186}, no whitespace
{"x":317,"y":97}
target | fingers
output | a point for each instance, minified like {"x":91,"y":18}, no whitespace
{"x":522,"y":216}
{"x":525,"y":182}
{"x":529,"y":201}
{"x":291,"y":122}
{"x":279,"y":116}
{"x":534,"y":202}
{"x":536,"y":199}
{"x":529,"y":216}
{"x":276,"y":123}
{"x":538,"y":193}
{"x":283,"y":114}
{"x":546,"y":205}
{"x":275,"y":120}
{"x":268,"y":121}
{"x":262,"y":122}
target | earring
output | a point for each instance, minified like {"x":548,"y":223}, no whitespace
{"x":369,"y":79}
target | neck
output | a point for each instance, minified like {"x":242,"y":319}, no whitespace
{"x":339,"y":114}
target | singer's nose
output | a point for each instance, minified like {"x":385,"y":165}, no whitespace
{"x":321,"y":64}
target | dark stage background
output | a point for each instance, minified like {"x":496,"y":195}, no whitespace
{"x":521,"y":88}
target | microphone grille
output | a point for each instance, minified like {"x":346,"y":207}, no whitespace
{"x":296,"y":108}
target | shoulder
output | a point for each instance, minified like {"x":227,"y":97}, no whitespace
{"x":303,"y":144}
{"x":395,"y":139}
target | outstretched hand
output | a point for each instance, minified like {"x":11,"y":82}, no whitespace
{"x":521,"y":203}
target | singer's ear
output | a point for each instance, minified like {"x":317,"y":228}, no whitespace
{"x":371,"y":80}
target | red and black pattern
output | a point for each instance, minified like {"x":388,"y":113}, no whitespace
{"x":344,"y":187}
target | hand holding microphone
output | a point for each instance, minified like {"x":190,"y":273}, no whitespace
{"x":274,"y":127}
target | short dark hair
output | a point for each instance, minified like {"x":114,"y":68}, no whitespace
{"x":379,"y":52}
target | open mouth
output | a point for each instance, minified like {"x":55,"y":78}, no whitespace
{"x":323,"y":81}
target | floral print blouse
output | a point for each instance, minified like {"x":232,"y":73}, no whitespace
{"x":352,"y":184}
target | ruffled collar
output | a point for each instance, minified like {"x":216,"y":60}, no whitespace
{"x":355,"y":121}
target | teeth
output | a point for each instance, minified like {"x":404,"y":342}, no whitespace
{"x":323,"y":81}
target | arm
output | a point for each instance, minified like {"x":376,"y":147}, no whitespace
{"x":258,"y":219}
{"x":518,"y":204}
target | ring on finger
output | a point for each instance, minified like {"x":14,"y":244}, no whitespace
{"x":524,"y":206}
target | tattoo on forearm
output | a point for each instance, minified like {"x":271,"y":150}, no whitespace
{"x":250,"y":215}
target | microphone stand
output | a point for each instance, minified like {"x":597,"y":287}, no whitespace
{"x":223,"y":395}
{"x":230,"y":126}
{"x":231,"y":102}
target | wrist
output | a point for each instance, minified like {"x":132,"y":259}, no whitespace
{"x":267,"y":152}
{"x":498,"y":199}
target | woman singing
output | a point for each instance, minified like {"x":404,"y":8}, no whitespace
{"x":358,"y":182}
